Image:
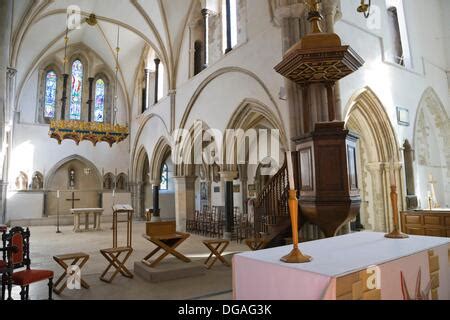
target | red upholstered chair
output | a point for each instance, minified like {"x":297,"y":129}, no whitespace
{"x":20,"y":238}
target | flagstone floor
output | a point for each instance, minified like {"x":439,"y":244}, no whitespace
{"x":45,"y":243}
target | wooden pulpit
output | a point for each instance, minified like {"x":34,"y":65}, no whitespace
{"x":329,"y":193}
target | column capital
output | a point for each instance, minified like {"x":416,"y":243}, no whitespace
{"x":157,"y":61}
{"x":206,"y":12}
{"x":155,"y":183}
{"x":11,"y":72}
{"x":228,"y":176}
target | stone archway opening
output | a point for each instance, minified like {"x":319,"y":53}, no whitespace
{"x":378,"y":149}
{"x":431,"y":141}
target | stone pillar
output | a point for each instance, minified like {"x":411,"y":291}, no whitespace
{"x":228,"y":178}
{"x":411,"y":198}
{"x":91,"y":94}
{"x":64,"y":96}
{"x":173,"y":96}
{"x":206,"y":14}
{"x":156,"y":216}
{"x":146,"y":95}
{"x":184,"y":200}
{"x":157,"y":63}
{"x":228,"y":13}
{"x":5,"y":37}
{"x":243,"y":175}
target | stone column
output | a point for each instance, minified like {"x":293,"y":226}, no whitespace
{"x":157,"y":63}
{"x":228,"y":13}
{"x":5,"y":37}
{"x":206,"y":14}
{"x":91,"y":94}
{"x":411,"y":198}
{"x":173,"y":96}
{"x":156,"y":216}
{"x":243,"y":174}
{"x":145,"y":94}
{"x":64,"y":96}
{"x":184,"y":200}
{"x":228,"y":178}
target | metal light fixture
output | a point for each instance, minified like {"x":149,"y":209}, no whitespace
{"x":364,"y":8}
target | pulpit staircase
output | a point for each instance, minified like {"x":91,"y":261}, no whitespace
{"x":272,"y":219}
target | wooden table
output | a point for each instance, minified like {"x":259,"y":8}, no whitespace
{"x":217,"y":247}
{"x":77,"y":260}
{"x":77,"y":213}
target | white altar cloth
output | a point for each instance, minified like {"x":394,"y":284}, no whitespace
{"x":261,"y":274}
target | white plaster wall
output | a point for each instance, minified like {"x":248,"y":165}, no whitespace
{"x":24,"y":205}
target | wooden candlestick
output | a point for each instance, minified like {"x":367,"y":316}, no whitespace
{"x":396,"y":233}
{"x":296,"y":256}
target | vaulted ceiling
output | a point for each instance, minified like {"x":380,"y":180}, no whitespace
{"x":39,"y":26}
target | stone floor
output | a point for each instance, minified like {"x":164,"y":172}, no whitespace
{"x":45,"y":243}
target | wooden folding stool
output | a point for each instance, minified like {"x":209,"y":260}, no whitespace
{"x":165,"y":237}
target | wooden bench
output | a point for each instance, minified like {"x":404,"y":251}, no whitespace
{"x":165,"y":237}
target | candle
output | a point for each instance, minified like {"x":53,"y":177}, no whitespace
{"x":114,"y":193}
{"x":430,"y":178}
{"x":57,"y":194}
{"x":290,"y":171}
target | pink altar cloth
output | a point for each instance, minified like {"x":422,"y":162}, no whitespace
{"x":358,"y":266}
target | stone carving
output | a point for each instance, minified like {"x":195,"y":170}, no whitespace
{"x":37,"y":181}
{"x":122,"y":182}
{"x":108,"y":181}
{"x":22,"y":182}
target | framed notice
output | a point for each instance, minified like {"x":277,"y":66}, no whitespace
{"x":403,"y":116}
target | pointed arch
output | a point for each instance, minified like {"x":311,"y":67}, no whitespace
{"x":378,"y":147}
{"x":86,"y":162}
{"x":432,"y":121}
{"x":366,"y":108}
{"x":161,"y":152}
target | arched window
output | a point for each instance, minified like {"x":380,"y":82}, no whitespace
{"x":51,"y":81}
{"x":76,"y":90}
{"x":165,"y":178}
{"x":99,"y":108}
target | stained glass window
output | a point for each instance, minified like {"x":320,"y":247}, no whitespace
{"x":76,"y":91}
{"x":165,"y":178}
{"x":99,"y":109}
{"x":51,"y":81}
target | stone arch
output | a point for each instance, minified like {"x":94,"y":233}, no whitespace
{"x":140,"y":167}
{"x":86,"y":162}
{"x":161,"y":151}
{"x":252,"y":113}
{"x":216,"y":75}
{"x":378,"y":148}
{"x":431,"y":141}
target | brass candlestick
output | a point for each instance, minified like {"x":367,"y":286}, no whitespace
{"x":296,"y":256}
{"x":396,"y":233}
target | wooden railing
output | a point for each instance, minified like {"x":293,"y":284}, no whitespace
{"x":271,"y":205}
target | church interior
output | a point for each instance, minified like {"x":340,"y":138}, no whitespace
{"x":187,"y":149}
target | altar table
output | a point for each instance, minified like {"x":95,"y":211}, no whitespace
{"x":358,"y":266}
{"x":77,"y":213}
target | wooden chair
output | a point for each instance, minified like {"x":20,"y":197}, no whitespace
{"x":165,"y":237}
{"x":20,"y":239}
{"x":113,"y":255}
{"x":6,"y":270}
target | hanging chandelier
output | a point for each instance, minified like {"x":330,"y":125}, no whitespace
{"x":94,"y":132}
